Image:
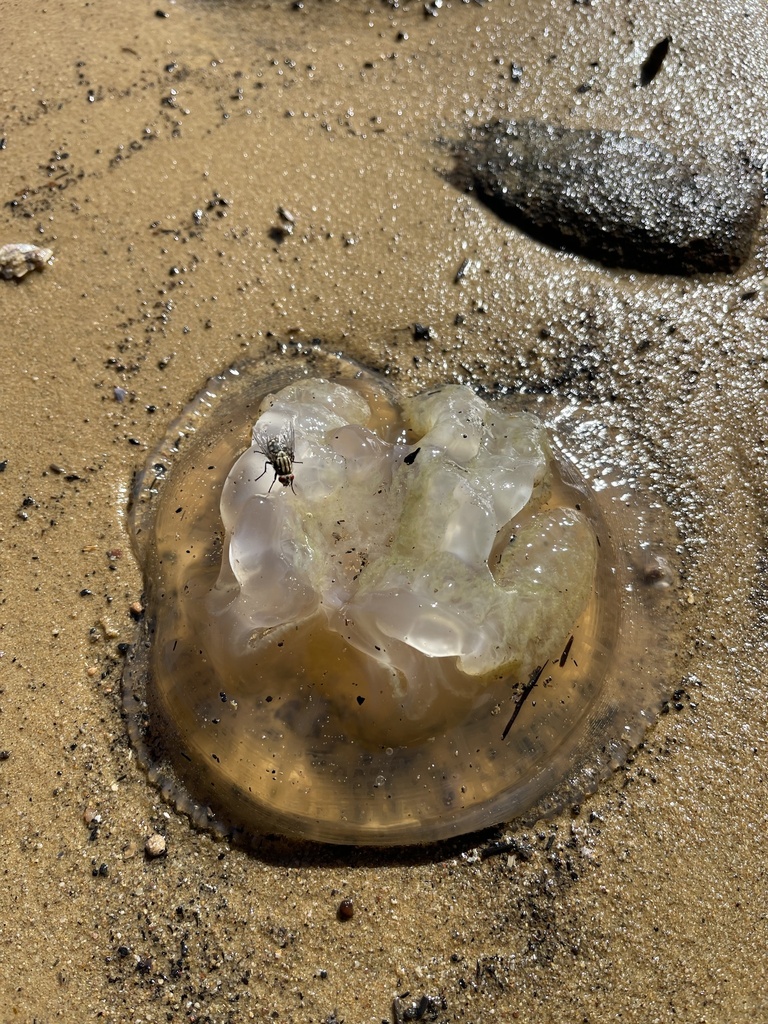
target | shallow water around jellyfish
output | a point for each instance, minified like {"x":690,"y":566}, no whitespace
{"x":378,"y":618}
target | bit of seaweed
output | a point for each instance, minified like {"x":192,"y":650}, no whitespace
{"x":534,"y":678}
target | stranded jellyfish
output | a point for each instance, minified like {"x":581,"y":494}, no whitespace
{"x":379,"y":618}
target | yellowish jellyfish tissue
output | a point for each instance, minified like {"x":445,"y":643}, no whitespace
{"x":379,"y":618}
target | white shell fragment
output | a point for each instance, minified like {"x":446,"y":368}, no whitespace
{"x":155,"y":846}
{"x":18,"y":258}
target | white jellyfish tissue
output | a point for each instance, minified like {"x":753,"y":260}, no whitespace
{"x":423,"y":536}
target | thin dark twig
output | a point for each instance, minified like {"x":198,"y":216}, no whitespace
{"x":566,"y":652}
{"x":523,"y":698}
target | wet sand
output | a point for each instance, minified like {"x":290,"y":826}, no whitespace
{"x":152,"y":154}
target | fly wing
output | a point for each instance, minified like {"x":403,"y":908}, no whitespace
{"x":262,"y":443}
{"x":285,"y":441}
{"x":273,"y":444}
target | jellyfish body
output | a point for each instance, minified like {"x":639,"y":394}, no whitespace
{"x":416,"y":639}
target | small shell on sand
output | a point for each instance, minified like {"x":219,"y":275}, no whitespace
{"x":18,"y":258}
{"x":155,"y":846}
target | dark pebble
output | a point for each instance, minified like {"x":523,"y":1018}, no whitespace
{"x":654,"y":60}
{"x":523,"y":851}
{"x":279,"y":232}
{"x":427,"y":1008}
{"x":613,"y":197}
{"x":346,"y":910}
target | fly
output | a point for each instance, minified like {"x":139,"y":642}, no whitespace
{"x":278,"y":449}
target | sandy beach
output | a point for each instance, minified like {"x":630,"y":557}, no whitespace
{"x":152,"y":148}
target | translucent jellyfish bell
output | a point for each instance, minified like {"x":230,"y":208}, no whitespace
{"x":379,"y":619}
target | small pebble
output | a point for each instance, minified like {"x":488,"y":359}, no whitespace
{"x":346,"y":910}
{"x":155,"y":846}
{"x":107,"y":628}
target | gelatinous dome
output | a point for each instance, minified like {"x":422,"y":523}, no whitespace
{"x":374,"y":618}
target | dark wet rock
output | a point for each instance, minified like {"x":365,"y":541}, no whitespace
{"x":616,"y":198}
